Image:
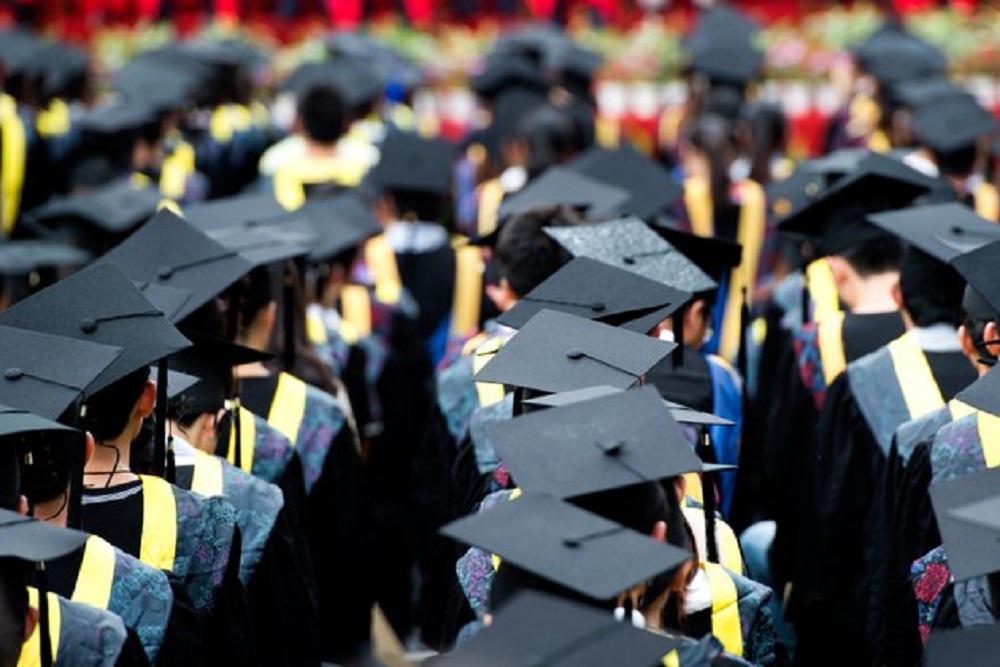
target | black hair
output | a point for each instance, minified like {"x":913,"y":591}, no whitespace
{"x":423,"y":206}
{"x":713,"y":135}
{"x":957,"y":163}
{"x":10,"y":475}
{"x":525,"y":254}
{"x":14,"y":596}
{"x":551,"y":135}
{"x":323,"y":114}
{"x":766,"y":123}
{"x":255,"y":291}
{"x":932,"y":291}
{"x":879,"y":255}
{"x":108,"y":410}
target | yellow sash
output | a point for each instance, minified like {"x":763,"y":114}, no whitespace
{"x":288,"y":407}
{"x":53,"y":121}
{"x":290,"y":179}
{"x":12,"y":161}
{"x":694,"y":491}
{"x":698,"y":201}
{"x":831,"y":346}
{"x":315,"y":328}
{"x":916,"y":381}
{"x":356,"y":309}
{"x":822,"y":289}
{"x":467,"y":301}
{"x":96,"y":575}
{"x":159,"y":523}
{"x":381,"y":262}
{"x":753,"y":210}
{"x":514,"y":495}
{"x":725,"y":608}
{"x":669,"y":128}
{"x":607,"y":132}
{"x":207,"y":478}
{"x":229,"y":119}
{"x":989,"y":437}
{"x":987,"y":201}
{"x":490,"y":196}
{"x":31,"y":653}
{"x":672,"y":659}
{"x":879,"y":142}
{"x":248,"y":435}
{"x":489,"y":393}
{"x":729,"y":547}
{"x":959,"y":410}
{"x":176,"y":169}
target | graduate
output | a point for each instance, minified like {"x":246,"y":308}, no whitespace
{"x":911,"y":376}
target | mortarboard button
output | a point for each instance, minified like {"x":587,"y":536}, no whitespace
{"x":13,"y":374}
{"x":88,"y":325}
{"x":943,"y":231}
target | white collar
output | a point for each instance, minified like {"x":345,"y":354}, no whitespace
{"x":936,"y":338}
{"x":699,"y":594}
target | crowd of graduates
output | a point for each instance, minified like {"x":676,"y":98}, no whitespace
{"x":288,"y":379}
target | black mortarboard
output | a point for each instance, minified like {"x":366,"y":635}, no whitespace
{"x":975,"y":646}
{"x":943,"y":231}
{"x":713,"y":255}
{"x":915,"y":94}
{"x":606,"y":443}
{"x":159,"y":85}
{"x":171,"y":252}
{"x":730,"y":58}
{"x":969,"y":534}
{"x":538,"y":42}
{"x":510,"y":108}
{"x":211,"y":361}
{"x":413,"y":164}
{"x":599,"y":291}
{"x":340,"y":221}
{"x":894,"y":55}
{"x":264,"y":244}
{"x":979,"y":269}
{"x":357,"y":83}
{"x":631,"y":245}
{"x":100,"y":305}
{"x":838,"y":219}
{"x":563,"y":186}
{"x":535,"y":629}
{"x":16,"y":426}
{"x":681,"y":413}
{"x":651,"y":187}
{"x":168,"y":300}
{"x":984,"y":393}
{"x":558,"y":352}
{"x":233,"y":211}
{"x":501,"y":74}
{"x":952,"y":123}
{"x":116,"y":119}
{"x":583,"y":552}
{"x":23,"y":257}
{"x":35,"y":541}
{"x":794,"y":193}
{"x":49,"y":374}
{"x":95,"y":219}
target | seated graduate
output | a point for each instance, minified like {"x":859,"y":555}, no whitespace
{"x":194,"y":538}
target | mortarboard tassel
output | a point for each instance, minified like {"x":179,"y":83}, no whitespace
{"x":288,"y":319}
{"x":708,"y":497}
{"x":160,"y":437}
{"x":44,"y":639}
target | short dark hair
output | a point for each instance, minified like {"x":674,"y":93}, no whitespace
{"x":932,"y":291}
{"x":14,"y":596}
{"x":323,"y":114}
{"x":958,"y":162}
{"x":525,"y":254}
{"x":423,"y":206}
{"x":109,"y":409}
{"x":873,"y":257}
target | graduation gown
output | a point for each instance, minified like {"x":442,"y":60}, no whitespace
{"x":863,"y":408}
{"x":275,"y":566}
{"x":195,"y":540}
{"x":336,"y":511}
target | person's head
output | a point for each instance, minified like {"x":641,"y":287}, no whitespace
{"x":550,"y":137}
{"x":929,"y":292}
{"x":764,"y":132}
{"x":525,"y":255}
{"x":958,"y":163}
{"x":46,"y":484}
{"x":412,"y":206}
{"x":17,"y":617}
{"x":979,"y":334}
{"x":706,"y":153}
{"x":697,"y":316}
{"x":256,"y":305}
{"x":854,"y":268}
{"x":322,"y":115}
{"x":116,"y":413}
{"x":328,"y":278}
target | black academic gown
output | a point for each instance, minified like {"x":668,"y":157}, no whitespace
{"x":831,"y":596}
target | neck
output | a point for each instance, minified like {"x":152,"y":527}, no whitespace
{"x":53,"y":512}
{"x":254,"y":370}
{"x":109,"y":465}
{"x":320,"y":150}
{"x":255,"y":340}
{"x":873,"y":294}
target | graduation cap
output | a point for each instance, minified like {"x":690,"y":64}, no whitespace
{"x":606,"y":443}
{"x":564,"y":186}
{"x":915,"y":94}
{"x":511,"y":107}
{"x":980,"y":279}
{"x":99,"y":304}
{"x":22,"y":257}
{"x":413,"y":164}
{"x":715,"y":256}
{"x":893,"y":55}
{"x":18,"y":426}
{"x":975,"y":646}
{"x":795,"y":192}
{"x":170,"y":252}
{"x":598,"y":291}
{"x":536,"y":629}
{"x":952,"y":123}
{"x":721,"y":46}
{"x":506,"y":73}
{"x":651,"y":187}
{"x":233,"y":211}
{"x":113,"y":120}
{"x":943,"y":231}
{"x":682,"y":414}
{"x":263,"y":244}
{"x":631,"y":245}
{"x":558,"y":352}
{"x":158,"y":85}
{"x":983,"y":394}
{"x":839,"y":217}
{"x":95,"y":219}
{"x":357,"y":83}
{"x":49,"y":374}
{"x":966,"y":511}
{"x":539,"y":43}
{"x":583,"y":552}
{"x":340,"y":222}
{"x":168,"y":300}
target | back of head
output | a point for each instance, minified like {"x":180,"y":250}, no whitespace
{"x":109,"y":410}
{"x":957,"y":163}
{"x":874,"y":257}
{"x":932,"y":291}
{"x":322,"y":114}
{"x":525,"y":254}
{"x":551,"y":136}
{"x":13,"y":608}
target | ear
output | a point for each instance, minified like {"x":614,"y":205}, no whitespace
{"x":680,"y":487}
{"x":21,"y":506}
{"x":147,"y":400}
{"x":990,"y":333}
{"x":502,"y":295}
{"x":269,"y":315}
{"x":30,"y":622}
{"x":897,"y":295}
{"x":659,"y":532}
{"x":89,"y":449}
